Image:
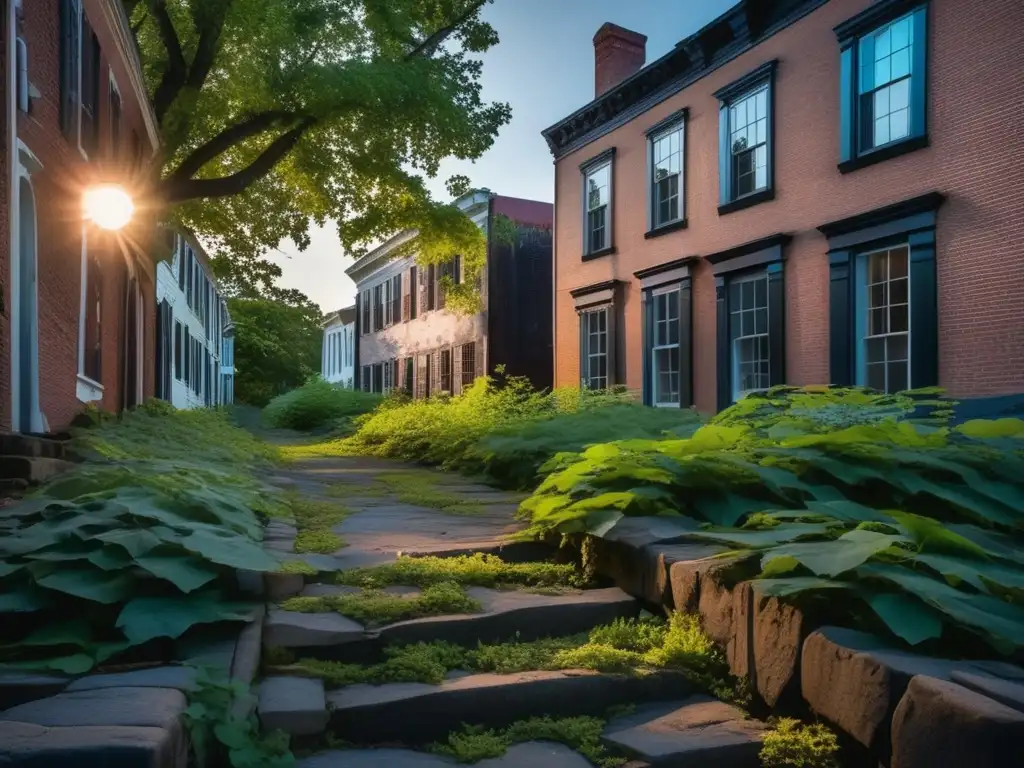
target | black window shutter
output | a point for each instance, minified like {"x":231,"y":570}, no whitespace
{"x":724,"y":157}
{"x":924,"y":332}
{"x":611,"y":320}
{"x":69,"y":67}
{"x":724,"y":378}
{"x":685,"y":344}
{"x":776,"y":325}
{"x":584,"y":372}
{"x":646,"y":344}
{"x":840,"y":319}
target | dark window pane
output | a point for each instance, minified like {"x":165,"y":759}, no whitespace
{"x":898,"y":291}
{"x":897,"y":377}
{"x":898,"y":318}
{"x":876,"y":376}
{"x":874,"y":351}
{"x":896,"y":348}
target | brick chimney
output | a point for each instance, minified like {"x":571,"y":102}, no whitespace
{"x":618,"y":53}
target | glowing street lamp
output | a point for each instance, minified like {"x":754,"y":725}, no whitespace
{"x":108,"y":206}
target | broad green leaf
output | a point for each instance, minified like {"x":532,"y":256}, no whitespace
{"x":110,"y":558}
{"x":234,"y":734}
{"x":105,"y":587}
{"x":229,"y":549}
{"x":906,"y":617}
{"x":995,"y":544}
{"x":847,"y":510}
{"x":795,"y":585}
{"x":831,"y":558}
{"x":6,"y":569}
{"x":779,"y":567}
{"x":988,"y":428}
{"x":783,"y":532}
{"x":75,"y":632}
{"x":22,"y":599}
{"x":932,"y":536}
{"x":146,"y":618}
{"x":137,"y":541}
{"x":75,"y":664}
{"x":186,"y":572}
{"x":979,"y":574}
{"x":600,"y":521}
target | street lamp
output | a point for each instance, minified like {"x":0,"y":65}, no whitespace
{"x":108,"y":206}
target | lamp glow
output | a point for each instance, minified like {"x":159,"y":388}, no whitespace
{"x":108,"y":206}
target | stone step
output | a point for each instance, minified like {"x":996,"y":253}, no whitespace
{"x":418,"y":713}
{"x":690,"y":733}
{"x":32,"y":446}
{"x":531,"y":754}
{"x":295,"y":705}
{"x":507,"y":615}
{"x":32,"y":469}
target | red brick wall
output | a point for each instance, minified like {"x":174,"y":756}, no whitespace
{"x":57,"y":189}
{"x":976,"y":88}
{"x":532,"y":213}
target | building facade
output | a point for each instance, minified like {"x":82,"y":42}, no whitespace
{"x":194,"y":339}
{"x":338,"y":361}
{"x":802,"y":192}
{"x":78,"y":303}
{"x":407,"y":339}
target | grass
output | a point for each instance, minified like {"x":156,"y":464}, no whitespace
{"x":314,"y":520}
{"x":317,"y":404}
{"x":790,"y":743}
{"x":476,"y":570}
{"x":426,"y":489}
{"x":373,"y":607}
{"x":297,"y":566}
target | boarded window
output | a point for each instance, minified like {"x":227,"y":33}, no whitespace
{"x":446,"y":370}
{"x":468,"y":363}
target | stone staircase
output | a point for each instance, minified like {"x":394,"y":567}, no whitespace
{"x":27,"y":460}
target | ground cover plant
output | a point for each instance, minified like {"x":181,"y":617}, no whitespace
{"x":877,"y":498}
{"x":314,"y":520}
{"x":374,"y":607}
{"x":318,"y":404}
{"x":791,"y":744}
{"x":501,"y":429}
{"x":427,"y":489}
{"x":135,"y":546}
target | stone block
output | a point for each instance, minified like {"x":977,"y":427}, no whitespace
{"x":281,"y":586}
{"x":295,"y":705}
{"x":20,"y":687}
{"x":939,"y":724}
{"x":778,"y":635}
{"x":290,"y":629}
{"x":102,"y":707}
{"x":1009,"y":693}
{"x":27,"y":745}
{"x":179,"y":678}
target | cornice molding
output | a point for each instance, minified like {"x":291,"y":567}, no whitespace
{"x":927,"y":203}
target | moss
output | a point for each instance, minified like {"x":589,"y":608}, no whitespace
{"x":375,"y":607}
{"x":876,"y":527}
{"x":297,"y":566}
{"x":417,"y":663}
{"x":425,"y":489}
{"x":790,"y":743}
{"x":478,"y":570}
{"x":318,"y":541}
{"x":760,"y":521}
{"x":276,"y":656}
{"x":314,"y":520}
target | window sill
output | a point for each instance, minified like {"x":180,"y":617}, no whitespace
{"x":881,"y":154}
{"x":598,"y":254}
{"x":87,"y":390}
{"x":664,"y":229}
{"x":747,"y":201}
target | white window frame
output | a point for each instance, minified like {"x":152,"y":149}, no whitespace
{"x":751,"y":93}
{"x":655,"y":295}
{"x":87,"y":389}
{"x":601,"y":163}
{"x":588,"y":377}
{"x":676,"y":126}
{"x":734,"y":361}
{"x":862,"y":308}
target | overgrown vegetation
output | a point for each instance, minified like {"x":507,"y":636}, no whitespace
{"x":136,"y":546}
{"x":374,"y":607}
{"x":314,"y":520}
{"x":317,"y":404}
{"x":790,"y":744}
{"x":427,"y":489}
{"x":475,"y":570}
{"x":473,"y":743}
{"x":502,"y":429}
{"x":874,"y":497}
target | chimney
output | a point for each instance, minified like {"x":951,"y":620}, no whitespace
{"x":618,"y":53}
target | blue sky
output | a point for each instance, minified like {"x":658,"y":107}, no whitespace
{"x":544,"y":68}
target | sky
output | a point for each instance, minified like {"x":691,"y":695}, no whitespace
{"x":544,"y":68}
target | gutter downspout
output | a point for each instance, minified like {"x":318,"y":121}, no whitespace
{"x":11,"y":150}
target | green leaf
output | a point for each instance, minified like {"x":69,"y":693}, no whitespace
{"x":6,"y":569}
{"x":105,"y":587}
{"x":795,"y":585}
{"x":847,"y":510}
{"x":783,"y":532}
{"x":110,"y":558}
{"x":907,"y":618}
{"x":992,"y":428}
{"x":22,"y":600}
{"x":146,"y":618}
{"x":186,"y":572}
{"x":76,"y":664}
{"x":831,"y":558}
{"x":229,"y":549}
{"x":76,"y":632}
{"x":136,"y":541}
{"x":234,"y":734}
{"x":933,"y":536}
{"x":601,"y":521}
{"x":779,"y":567}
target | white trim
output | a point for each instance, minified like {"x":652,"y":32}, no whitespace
{"x":87,"y":390}
{"x":607,"y":240}
{"x":26,"y":164}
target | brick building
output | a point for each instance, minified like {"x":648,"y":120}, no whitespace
{"x":802,"y":192}
{"x":406,"y":338}
{"x":78,"y":303}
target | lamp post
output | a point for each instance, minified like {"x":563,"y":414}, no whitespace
{"x":108,"y":206}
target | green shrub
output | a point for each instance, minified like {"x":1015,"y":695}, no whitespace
{"x":476,"y":570}
{"x":790,"y":744}
{"x":375,"y":607}
{"x":316,"y":404}
{"x":833,"y":488}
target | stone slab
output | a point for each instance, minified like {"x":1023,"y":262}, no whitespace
{"x":291,"y":629}
{"x":699,"y":730}
{"x":245,"y":660}
{"x":179,"y":678}
{"x":280,"y":586}
{"x":366,"y":714}
{"x":939,"y":724}
{"x":537,"y":754}
{"x":295,"y":705}
{"x":26,"y":745}
{"x":532,"y":754}
{"x":1007,"y":692}
{"x":133,"y":707}
{"x":20,"y":687}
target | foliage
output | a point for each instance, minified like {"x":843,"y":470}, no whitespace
{"x":475,"y":570}
{"x":138,"y":544}
{"x":373,"y":607}
{"x":502,"y":428}
{"x":277,"y":346}
{"x":314,"y":520}
{"x":875,"y":495}
{"x":216,"y":727}
{"x":583,"y":734}
{"x":426,"y":489}
{"x":789,"y":744}
{"x":318,"y":403}
{"x":273,"y":114}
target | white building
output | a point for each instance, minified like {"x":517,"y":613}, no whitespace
{"x":195,"y":344}
{"x":338,"y":361}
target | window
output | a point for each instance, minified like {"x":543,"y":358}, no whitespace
{"x":364,"y":379}
{"x":666,"y":370}
{"x":413,"y":276}
{"x":115,"y":121}
{"x":182,"y":252}
{"x":189,"y":259}
{"x":745,"y":143}
{"x":883,"y":320}
{"x":883,"y":60}
{"x":378,"y":307}
{"x":408,"y":375}
{"x":594,"y":353}
{"x":92,"y":333}
{"x":387,"y":384}
{"x":467,"y":358}
{"x":446,"y":370}
{"x":597,"y":204}
{"x":385,"y":291}
{"x":90,"y":89}
{"x":187,"y":353}
{"x":396,"y":299}
{"x":748,"y":331}
{"x":70,"y":66}
{"x":177,"y":350}
{"x":666,"y":169}
{"x":364,"y":304}
{"x":378,"y":378}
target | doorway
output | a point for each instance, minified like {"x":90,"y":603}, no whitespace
{"x":25,"y":334}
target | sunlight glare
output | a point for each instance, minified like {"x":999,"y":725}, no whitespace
{"x":108,"y":206}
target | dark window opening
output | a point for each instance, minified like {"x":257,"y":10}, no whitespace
{"x":468,"y":372}
{"x":446,"y":370}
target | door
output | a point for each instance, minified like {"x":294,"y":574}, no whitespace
{"x":26,"y":418}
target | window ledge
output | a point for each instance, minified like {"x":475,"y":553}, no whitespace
{"x":887,"y":152}
{"x":87,"y":390}
{"x":664,"y":229}
{"x":598,"y":254}
{"x":747,"y":201}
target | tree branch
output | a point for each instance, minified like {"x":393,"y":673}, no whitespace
{"x":426,"y":47}
{"x":223,"y":141}
{"x":206,"y":49}
{"x":177,"y":71}
{"x":179,"y":190}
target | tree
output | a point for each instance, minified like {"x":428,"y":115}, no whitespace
{"x":277,"y":112}
{"x":277,"y":346}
